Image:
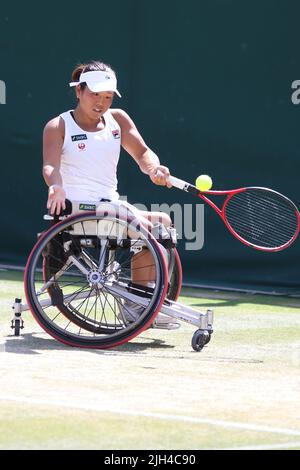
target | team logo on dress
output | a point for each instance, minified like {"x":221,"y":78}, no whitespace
{"x":81,"y":146}
{"x":116,"y":134}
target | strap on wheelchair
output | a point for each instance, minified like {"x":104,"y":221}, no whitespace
{"x":166,"y":236}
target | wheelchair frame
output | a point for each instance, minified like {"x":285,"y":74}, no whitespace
{"x":100,"y":276}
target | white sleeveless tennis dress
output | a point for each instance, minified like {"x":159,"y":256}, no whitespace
{"x":89,"y":160}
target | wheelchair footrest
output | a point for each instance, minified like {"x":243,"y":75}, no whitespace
{"x":203,"y":320}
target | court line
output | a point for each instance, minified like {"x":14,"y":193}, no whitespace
{"x":12,"y":267}
{"x":287,"y":445}
{"x":160,"y":416}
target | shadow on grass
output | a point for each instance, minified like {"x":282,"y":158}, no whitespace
{"x":29,"y":343}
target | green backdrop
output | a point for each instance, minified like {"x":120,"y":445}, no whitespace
{"x":207,"y":83}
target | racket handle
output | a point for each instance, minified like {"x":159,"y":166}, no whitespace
{"x":180,"y":184}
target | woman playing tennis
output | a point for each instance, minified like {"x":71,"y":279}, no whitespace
{"x":81,"y":149}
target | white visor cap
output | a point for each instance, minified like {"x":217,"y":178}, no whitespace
{"x":99,"y":81}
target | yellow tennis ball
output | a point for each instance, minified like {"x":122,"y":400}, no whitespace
{"x":203,"y":182}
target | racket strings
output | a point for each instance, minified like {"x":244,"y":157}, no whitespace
{"x":267,"y":231}
{"x":258,"y":222}
{"x":262,"y":217}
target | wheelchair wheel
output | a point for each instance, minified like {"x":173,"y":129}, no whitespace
{"x":175,"y":276}
{"x":79,"y":280}
{"x":52,"y":263}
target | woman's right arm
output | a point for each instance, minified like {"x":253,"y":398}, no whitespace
{"x":53,"y":138}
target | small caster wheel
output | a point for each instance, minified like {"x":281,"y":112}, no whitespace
{"x":200,"y":339}
{"x":209,"y":337}
{"x":17,"y":325}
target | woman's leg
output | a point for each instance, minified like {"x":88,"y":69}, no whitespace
{"x":142,"y":265}
{"x":143,"y":272}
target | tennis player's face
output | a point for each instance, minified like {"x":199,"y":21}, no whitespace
{"x":95,"y":104}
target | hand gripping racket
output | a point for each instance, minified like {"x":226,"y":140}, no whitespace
{"x":259,"y":217}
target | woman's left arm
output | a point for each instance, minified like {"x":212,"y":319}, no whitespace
{"x":135,"y":145}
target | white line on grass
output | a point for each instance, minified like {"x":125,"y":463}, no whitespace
{"x":287,"y":445}
{"x":12,"y":267}
{"x":161,"y":416}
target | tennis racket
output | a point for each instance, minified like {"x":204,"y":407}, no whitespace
{"x":259,"y":217}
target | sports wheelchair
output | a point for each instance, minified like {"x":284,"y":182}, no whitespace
{"x":82,"y":283}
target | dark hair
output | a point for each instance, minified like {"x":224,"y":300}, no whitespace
{"x":89,"y":67}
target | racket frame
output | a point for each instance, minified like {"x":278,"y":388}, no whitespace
{"x":183,"y":185}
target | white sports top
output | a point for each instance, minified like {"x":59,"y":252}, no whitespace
{"x":89,"y":160}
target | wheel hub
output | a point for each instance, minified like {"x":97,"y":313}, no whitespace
{"x":95,"y":278}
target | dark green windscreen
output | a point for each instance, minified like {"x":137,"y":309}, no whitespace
{"x":208,"y":84}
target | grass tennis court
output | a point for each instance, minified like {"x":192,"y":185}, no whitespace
{"x":241,"y":391}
